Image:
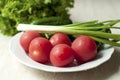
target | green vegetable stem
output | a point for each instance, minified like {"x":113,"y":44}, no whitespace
{"x":99,"y":31}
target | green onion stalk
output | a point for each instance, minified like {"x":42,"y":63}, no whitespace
{"x":99,"y":31}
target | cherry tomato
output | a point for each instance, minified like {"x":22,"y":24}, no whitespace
{"x":85,"y":48}
{"x":39,"y":49}
{"x":26,"y":38}
{"x":60,"y":38}
{"x":61,"y":55}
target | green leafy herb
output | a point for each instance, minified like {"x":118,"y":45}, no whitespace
{"x":13,"y":12}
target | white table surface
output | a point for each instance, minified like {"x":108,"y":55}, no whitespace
{"x":84,"y":10}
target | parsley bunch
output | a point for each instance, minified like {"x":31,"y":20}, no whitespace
{"x":13,"y":12}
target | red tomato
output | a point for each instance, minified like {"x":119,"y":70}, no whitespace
{"x":26,"y":38}
{"x":39,"y":49}
{"x":61,"y":55}
{"x":60,"y":38}
{"x":85,"y":48}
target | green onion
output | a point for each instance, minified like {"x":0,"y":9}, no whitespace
{"x":99,"y":31}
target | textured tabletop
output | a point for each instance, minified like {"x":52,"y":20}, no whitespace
{"x":84,"y":10}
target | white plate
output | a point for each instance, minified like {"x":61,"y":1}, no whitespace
{"x":21,"y":56}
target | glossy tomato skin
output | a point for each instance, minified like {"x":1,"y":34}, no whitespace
{"x":61,"y":55}
{"x":39,"y":49}
{"x":26,"y":38}
{"x":85,"y":49}
{"x":60,"y":38}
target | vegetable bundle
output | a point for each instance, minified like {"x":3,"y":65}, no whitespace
{"x":13,"y":12}
{"x":99,"y":31}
